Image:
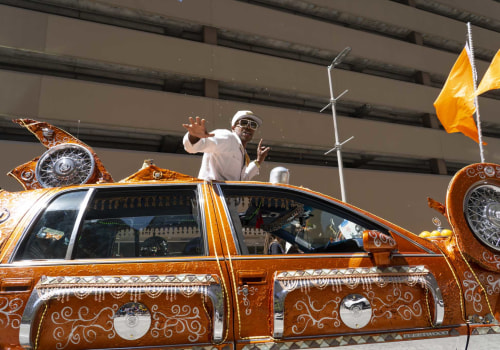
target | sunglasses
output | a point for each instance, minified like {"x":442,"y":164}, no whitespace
{"x":246,"y":123}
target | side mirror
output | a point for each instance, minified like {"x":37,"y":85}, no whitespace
{"x":379,"y":245}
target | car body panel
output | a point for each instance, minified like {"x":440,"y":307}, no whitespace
{"x":164,"y":260}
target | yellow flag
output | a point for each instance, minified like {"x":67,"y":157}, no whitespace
{"x":491,"y":79}
{"x":455,"y":104}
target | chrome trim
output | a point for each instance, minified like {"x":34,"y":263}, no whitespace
{"x":330,"y":256}
{"x":78,"y":221}
{"x":301,"y":256}
{"x":216,"y":296}
{"x":201,"y":211}
{"x":49,"y":288}
{"x":229,"y":219}
{"x":124,"y":185}
{"x":336,"y":277}
{"x":417,"y":255}
{"x":144,"y":260}
{"x":198,"y":258}
{"x":330,"y":200}
{"x":432,"y":284}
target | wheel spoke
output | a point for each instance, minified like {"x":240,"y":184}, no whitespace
{"x":482,"y":205}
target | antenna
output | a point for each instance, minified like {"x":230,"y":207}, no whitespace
{"x":340,"y":57}
{"x":474,"y":80}
{"x":338,"y":145}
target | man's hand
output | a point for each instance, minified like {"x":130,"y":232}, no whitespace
{"x":196,"y":129}
{"x":262,"y":152}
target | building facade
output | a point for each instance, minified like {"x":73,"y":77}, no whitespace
{"x":123,"y":75}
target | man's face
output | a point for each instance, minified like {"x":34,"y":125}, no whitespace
{"x":245,"y":133}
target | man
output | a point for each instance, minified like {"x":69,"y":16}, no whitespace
{"x":225,"y":157}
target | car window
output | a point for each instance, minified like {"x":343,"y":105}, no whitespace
{"x":50,"y":235}
{"x":142,"y":223}
{"x":280,"y":221}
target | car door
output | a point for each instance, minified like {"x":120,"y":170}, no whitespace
{"x":119,"y":267}
{"x":311,"y":272}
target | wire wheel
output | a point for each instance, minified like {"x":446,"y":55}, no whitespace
{"x":65,"y":165}
{"x":482,"y":211}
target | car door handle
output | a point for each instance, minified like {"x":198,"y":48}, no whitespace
{"x":9,"y":285}
{"x":252,"y":277}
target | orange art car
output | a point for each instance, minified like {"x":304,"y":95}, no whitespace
{"x":163,"y":260}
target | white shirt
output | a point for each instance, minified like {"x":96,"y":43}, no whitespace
{"x":223,"y":158}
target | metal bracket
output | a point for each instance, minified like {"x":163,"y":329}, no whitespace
{"x":339,"y":146}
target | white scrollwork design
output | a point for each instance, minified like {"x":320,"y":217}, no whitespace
{"x":245,"y":291}
{"x":379,"y":239}
{"x":183,"y":319}
{"x":482,"y":172}
{"x":407,"y":308}
{"x":312,"y":314}
{"x":492,"y":283}
{"x":52,"y":142}
{"x":10,"y":211}
{"x":83,"y":327}
{"x":472,"y":293}
{"x":492,"y":259}
{"x":368,"y":278}
{"x":8,"y":312}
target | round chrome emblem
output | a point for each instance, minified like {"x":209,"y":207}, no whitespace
{"x":27,"y":175}
{"x":355,"y":311}
{"x":482,"y":211}
{"x":132,"y":321}
{"x":157,"y":175}
{"x":65,"y":165}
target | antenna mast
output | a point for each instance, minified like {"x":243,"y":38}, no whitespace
{"x":338,"y":146}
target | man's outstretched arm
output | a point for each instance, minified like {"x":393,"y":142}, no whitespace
{"x":196,"y":129}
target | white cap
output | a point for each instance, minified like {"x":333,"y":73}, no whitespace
{"x":245,"y":115}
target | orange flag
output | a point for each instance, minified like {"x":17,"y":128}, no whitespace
{"x":455,"y":104}
{"x":491,"y":79}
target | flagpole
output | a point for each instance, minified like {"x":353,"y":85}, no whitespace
{"x":474,"y":80}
